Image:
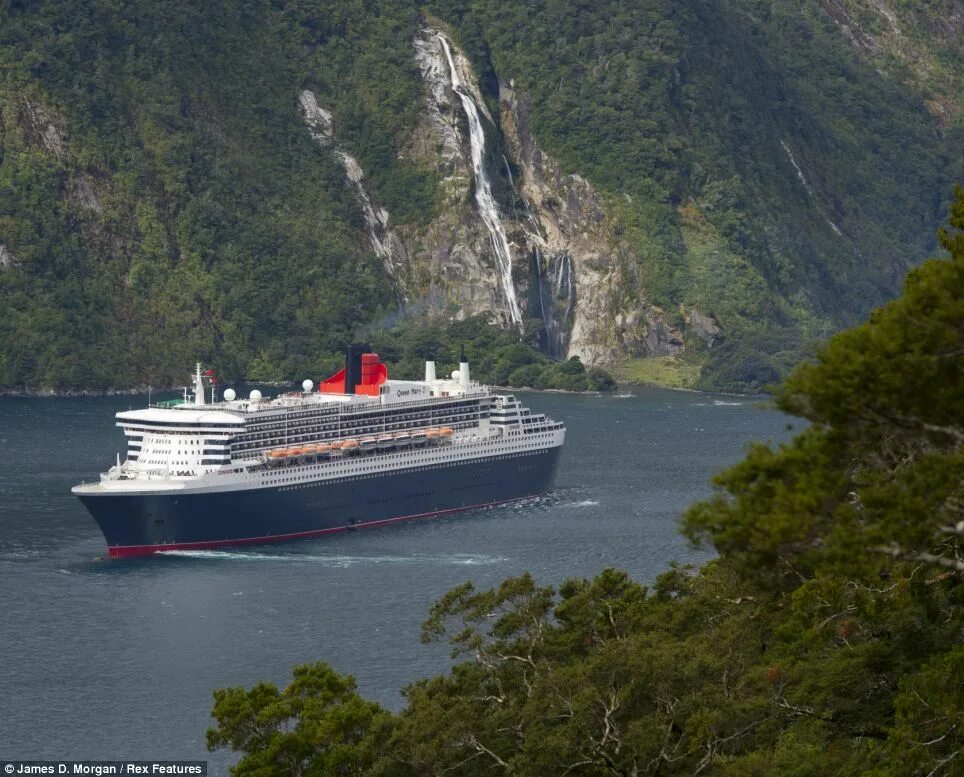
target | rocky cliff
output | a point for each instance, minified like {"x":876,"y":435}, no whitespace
{"x":714,"y":184}
{"x":546,"y":256}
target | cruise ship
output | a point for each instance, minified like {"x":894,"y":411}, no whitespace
{"x":360,"y":450}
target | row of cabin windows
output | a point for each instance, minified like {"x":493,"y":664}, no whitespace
{"x":379,"y":420}
{"x":295,"y":436}
{"x":305,"y":433}
{"x":294,"y":431}
{"x":406,"y":412}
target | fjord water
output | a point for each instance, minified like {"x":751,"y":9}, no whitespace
{"x":110,"y":659}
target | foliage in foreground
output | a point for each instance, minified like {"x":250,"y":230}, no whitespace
{"x":826,"y":638}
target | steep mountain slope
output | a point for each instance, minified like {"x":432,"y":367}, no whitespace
{"x":714,"y":183}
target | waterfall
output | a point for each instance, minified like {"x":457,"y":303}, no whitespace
{"x":488,"y":209}
{"x":556,"y":301}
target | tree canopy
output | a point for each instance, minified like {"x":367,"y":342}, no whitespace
{"x":826,"y":638}
{"x":161,"y":199}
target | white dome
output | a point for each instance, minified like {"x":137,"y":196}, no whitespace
{"x":255,"y":395}
{"x":307,"y":386}
{"x":229,"y":395}
{"x":455,"y":375}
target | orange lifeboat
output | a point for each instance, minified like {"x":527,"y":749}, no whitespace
{"x":349,"y":446}
{"x":446,"y":431}
{"x":433,"y":435}
{"x":276,"y":457}
{"x":324,"y":449}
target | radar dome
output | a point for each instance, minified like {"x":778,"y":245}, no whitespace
{"x":254,"y":396}
{"x":307,"y":386}
{"x":229,"y":395}
{"x":455,"y":375}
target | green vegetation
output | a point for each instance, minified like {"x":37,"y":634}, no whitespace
{"x":825,"y":639}
{"x":161,"y":199}
{"x":687,"y":115}
{"x":495,"y":355}
{"x":669,"y":371}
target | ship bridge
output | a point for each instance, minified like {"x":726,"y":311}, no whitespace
{"x":178,"y":441}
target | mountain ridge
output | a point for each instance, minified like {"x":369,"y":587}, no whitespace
{"x":161,"y":198}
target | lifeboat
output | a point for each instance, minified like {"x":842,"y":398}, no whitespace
{"x":324,"y":449}
{"x":277,"y":457}
{"x":349,"y":446}
{"x":294,"y":455}
{"x":445,"y":433}
{"x":386,"y":442}
{"x":310,"y":452}
{"x":418,"y":437}
{"x":403,"y":439}
{"x":432,"y":435}
{"x":335,"y":449}
{"x":367,"y":444}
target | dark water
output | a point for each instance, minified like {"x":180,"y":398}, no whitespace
{"x":117,"y":659}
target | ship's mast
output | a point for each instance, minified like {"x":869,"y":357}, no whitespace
{"x":198,"y":385}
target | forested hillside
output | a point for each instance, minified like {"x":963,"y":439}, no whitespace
{"x":764,"y":179}
{"x":825,"y":638}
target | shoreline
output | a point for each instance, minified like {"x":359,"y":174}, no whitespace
{"x":144,"y":390}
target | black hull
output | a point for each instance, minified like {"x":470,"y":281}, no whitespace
{"x":142,"y":524}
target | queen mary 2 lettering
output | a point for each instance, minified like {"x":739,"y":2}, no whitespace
{"x":360,"y":451}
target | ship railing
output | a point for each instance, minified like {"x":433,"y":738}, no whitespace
{"x":416,"y":403}
{"x":463,"y":437}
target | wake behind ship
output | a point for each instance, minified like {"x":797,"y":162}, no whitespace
{"x":360,"y":451}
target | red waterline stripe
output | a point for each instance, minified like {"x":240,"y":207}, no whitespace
{"x":125,"y":551}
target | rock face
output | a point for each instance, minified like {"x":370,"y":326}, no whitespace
{"x":384,"y":241}
{"x":544,"y":255}
{"x":47,"y":129}
{"x":7,"y":259}
{"x":455,"y":259}
{"x":926,"y":44}
{"x":591,"y":301}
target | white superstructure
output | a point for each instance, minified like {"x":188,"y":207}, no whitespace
{"x":300,"y":438}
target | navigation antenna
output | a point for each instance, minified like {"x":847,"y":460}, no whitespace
{"x":198,"y":385}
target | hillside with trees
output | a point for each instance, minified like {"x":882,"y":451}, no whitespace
{"x":824,"y":639}
{"x":162,"y":201}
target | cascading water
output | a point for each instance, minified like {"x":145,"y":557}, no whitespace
{"x":488,"y":209}
{"x":556,"y":302}
{"x":554,"y":288}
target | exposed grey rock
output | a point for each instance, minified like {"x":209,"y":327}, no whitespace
{"x":317,"y":118}
{"x":45,"y":127}
{"x":81,"y":192}
{"x":7,"y":259}
{"x":385,"y":243}
{"x":607,"y":317}
{"x":452,"y":259}
{"x":570,"y":270}
{"x":703,"y":326}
